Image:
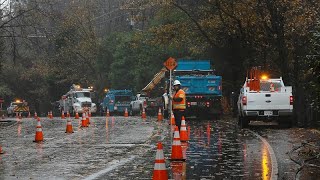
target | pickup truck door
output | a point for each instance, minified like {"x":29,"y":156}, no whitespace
{"x":136,"y":103}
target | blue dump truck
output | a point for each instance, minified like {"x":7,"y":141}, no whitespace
{"x":202,"y":87}
{"x":116,"y":101}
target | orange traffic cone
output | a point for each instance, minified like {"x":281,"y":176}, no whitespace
{"x":77,"y":116}
{"x":271,"y":87}
{"x":20,"y":116}
{"x":176,"y":153}
{"x":29,"y":115}
{"x":68,"y":114}
{"x":143,"y":115}
{"x":62,"y":115}
{"x":160,"y":117}
{"x":89,"y":113}
{"x":69,"y":128}
{"x":51,"y":115}
{"x":172,"y":120}
{"x":39,"y":134}
{"x":84,"y":120}
{"x":126,"y":113}
{"x":160,"y":172}
{"x":108,"y":113}
{"x":35,"y":115}
{"x":183,"y":131}
{"x":88,"y":118}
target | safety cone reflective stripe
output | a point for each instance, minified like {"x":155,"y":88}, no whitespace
{"x":84,"y":121}
{"x":62,"y":115}
{"x":143,"y":115}
{"x":39,"y":134}
{"x":69,"y":128}
{"x":183,"y":131}
{"x":160,"y":172}
{"x":160,"y":117}
{"x":126,"y":113}
{"x":108,"y":113}
{"x":35,"y":115}
{"x":176,"y":153}
{"x":77,"y":116}
{"x":172,"y":120}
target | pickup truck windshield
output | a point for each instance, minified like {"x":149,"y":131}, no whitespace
{"x":265,"y":86}
{"x":122,"y":98}
{"x":82,"y":94}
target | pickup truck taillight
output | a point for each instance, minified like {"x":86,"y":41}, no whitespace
{"x":291,"y":100}
{"x":189,"y":104}
{"x":208,"y":104}
{"x":244,"y":100}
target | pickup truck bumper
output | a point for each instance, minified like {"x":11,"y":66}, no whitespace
{"x":268,"y":113}
{"x":82,"y":110}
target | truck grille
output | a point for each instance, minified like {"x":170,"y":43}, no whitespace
{"x":86,"y":104}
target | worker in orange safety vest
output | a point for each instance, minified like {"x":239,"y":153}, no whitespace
{"x":178,"y":102}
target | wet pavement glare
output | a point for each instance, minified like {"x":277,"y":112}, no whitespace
{"x":125,"y":148}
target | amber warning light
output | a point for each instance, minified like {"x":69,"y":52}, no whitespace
{"x":264,"y":77}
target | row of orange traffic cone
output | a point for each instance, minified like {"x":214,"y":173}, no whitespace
{"x":69,"y":128}
{"x":160,"y":172}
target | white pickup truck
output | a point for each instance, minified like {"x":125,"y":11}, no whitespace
{"x":137,"y":105}
{"x":273,"y":100}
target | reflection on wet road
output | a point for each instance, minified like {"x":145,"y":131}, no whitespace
{"x":217,"y":150}
{"x":125,"y":148}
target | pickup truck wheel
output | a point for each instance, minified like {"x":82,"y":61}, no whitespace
{"x":285,"y":122}
{"x":131,"y":112}
{"x":243,"y":122}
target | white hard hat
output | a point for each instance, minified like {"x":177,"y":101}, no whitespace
{"x":176,"y":82}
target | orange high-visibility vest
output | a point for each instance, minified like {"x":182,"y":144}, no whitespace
{"x":179,"y":105}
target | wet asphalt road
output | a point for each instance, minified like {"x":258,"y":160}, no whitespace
{"x":125,"y":148}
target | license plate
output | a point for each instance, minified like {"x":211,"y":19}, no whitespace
{"x":268,"y":113}
{"x":193,"y":103}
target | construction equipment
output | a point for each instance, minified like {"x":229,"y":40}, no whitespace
{"x":18,"y":106}
{"x":151,"y":98}
{"x":116,"y":101}
{"x":78,"y":99}
{"x":202,"y":87}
